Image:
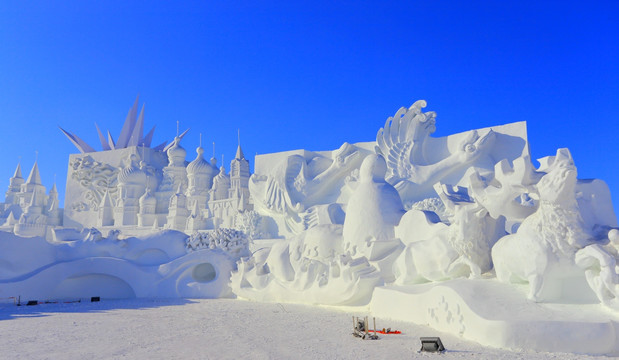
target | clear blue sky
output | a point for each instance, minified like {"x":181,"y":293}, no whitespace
{"x":307,"y":75}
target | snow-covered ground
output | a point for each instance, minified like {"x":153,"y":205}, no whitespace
{"x":217,"y":329}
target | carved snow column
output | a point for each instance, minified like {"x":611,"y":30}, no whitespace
{"x":177,"y":212}
{"x":106,"y":211}
{"x":15,"y":184}
{"x":131,"y":185}
{"x":148,"y":205}
{"x":200,"y":178}
{"x":32,"y":185}
{"x":174,"y":175}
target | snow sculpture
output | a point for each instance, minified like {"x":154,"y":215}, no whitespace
{"x":311,"y":268}
{"x":542,"y":251}
{"x":292,"y":188}
{"x":231,"y":241}
{"x":600,"y":265}
{"x":510,"y":193}
{"x":146,"y":188}
{"x":80,"y":264}
{"x":436,"y":251}
{"x":252,"y":224}
{"x":28,"y":210}
{"x":414,"y":164}
{"x":373,"y":211}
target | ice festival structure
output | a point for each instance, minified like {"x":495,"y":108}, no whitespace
{"x":464,"y":232}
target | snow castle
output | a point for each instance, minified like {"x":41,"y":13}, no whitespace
{"x":133,"y":187}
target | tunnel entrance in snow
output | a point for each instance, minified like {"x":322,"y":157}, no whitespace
{"x":85,"y":286}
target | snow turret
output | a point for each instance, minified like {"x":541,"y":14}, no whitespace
{"x":221,"y":185}
{"x":32,"y":185}
{"x":106,"y":211}
{"x":177,"y":212}
{"x":148,"y":205}
{"x":148,"y":202}
{"x":15,"y":184}
{"x":200,"y":177}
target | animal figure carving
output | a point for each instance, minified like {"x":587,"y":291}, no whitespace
{"x":542,"y":250}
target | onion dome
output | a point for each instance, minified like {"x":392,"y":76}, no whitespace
{"x":200,"y":166}
{"x":148,"y":199}
{"x":131,"y":174}
{"x":176,"y":153}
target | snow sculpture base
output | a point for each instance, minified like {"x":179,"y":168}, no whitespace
{"x":500,"y":315}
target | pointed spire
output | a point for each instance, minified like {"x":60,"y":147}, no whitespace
{"x":110,"y":140}
{"x":239,"y":153}
{"x":80,"y":144}
{"x":138,"y":129}
{"x":35,"y":176}
{"x":54,"y":189}
{"x":128,"y":126}
{"x":102,"y":140}
{"x":17,"y":174}
{"x":149,"y":137}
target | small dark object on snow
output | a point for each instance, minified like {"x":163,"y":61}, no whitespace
{"x":32,"y":302}
{"x":360,"y":329}
{"x":95,"y":299}
{"x":431,"y":344}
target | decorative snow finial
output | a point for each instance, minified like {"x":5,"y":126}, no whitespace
{"x":177,"y":127}
{"x":200,"y":140}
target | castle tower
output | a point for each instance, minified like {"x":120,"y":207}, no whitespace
{"x":32,"y":185}
{"x":32,"y":222}
{"x":221,"y":185}
{"x":177,"y":211}
{"x":131,"y":185}
{"x":106,"y":211}
{"x":54,"y":213}
{"x":148,"y":205}
{"x":174,"y":174}
{"x":239,"y":173}
{"x":15,"y":184}
{"x":200,"y":178}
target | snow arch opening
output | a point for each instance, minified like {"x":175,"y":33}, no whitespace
{"x":204,"y":273}
{"x":85,"y":286}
